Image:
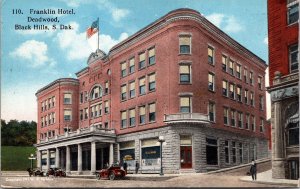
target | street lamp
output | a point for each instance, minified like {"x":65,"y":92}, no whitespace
{"x":161,"y":139}
{"x":31,"y":157}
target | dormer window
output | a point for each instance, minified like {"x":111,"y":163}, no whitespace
{"x":96,"y":92}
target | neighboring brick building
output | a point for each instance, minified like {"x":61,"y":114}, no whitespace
{"x":179,"y":77}
{"x":283,"y":16}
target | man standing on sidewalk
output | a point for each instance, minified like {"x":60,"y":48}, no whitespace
{"x":253,"y":170}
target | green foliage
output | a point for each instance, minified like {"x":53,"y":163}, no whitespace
{"x":15,"y":133}
{"x":15,"y":158}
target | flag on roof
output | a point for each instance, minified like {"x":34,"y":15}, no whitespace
{"x":94,"y":28}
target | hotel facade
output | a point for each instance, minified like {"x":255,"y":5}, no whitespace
{"x":180,"y":77}
{"x":283,"y":33}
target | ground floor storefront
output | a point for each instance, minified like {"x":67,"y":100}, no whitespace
{"x":187,"y":147}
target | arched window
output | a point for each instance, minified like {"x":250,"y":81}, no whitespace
{"x":293,"y":133}
{"x":96,"y":92}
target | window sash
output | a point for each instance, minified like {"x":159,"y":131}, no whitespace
{"x":152,"y":108}
{"x":142,"y":57}
{"x":152,"y":52}
{"x":184,"y":69}
{"x":152,"y":78}
{"x":184,"y":40}
{"x":142,"y":110}
{"x":185,"y":101}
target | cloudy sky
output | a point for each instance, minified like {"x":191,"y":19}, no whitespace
{"x":30,"y":59}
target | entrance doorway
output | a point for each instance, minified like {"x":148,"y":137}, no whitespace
{"x":186,"y":157}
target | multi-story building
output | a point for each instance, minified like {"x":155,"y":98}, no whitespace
{"x":180,"y":77}
{"x":283,"y":16}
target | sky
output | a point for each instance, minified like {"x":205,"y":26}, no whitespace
{"x":31,"y":59}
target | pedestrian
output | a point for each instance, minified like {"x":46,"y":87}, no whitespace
{"x":125,"y":167}
{"x":253,"y":170}
{"x":137,"y":166}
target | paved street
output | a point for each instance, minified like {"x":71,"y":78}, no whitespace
{"x":190,"y":180}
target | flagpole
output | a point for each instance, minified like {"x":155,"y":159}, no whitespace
{"x":98,"y":32}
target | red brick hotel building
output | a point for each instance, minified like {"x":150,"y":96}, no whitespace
{"x":180,"y":77}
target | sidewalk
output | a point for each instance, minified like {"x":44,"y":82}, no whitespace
{"x":266,"y":178}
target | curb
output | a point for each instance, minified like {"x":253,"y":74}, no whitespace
{"x":268,"y":182}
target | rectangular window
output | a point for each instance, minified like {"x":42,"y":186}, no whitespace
{"x":293,"y":57}
{"x":151,"y":56}
{"x":67,"y":98}
{"x":185,"y":73}
{"x":240,"y":119}
{"x":211,"y":151}
{"x":210,"y":55}
{"x":238,"y":93}
{"x":123,"y":92}
{"x":46,"y":118}
{"x":50,"y":118}
{"x":152,"y":83}
{"x":50,"y":102}
{"x":123,"y":119}
{"x":185,"y":44}
{"x":86,"y":113}
{"x":261,"y":125}
{"x":42,"y":122}
{"x":241,"y":152}
{"x":225,"y":111}
{"x":293,"y":13}
{"x":53,"y":101}
{"x":123,"y":69}
{"x":46,"y":104}
{"x":211,"y":111}
{"x":53,"y":117}
{"x":152,"y":115}
{"x":142,"y":86}
{"x":86,"y":96}
{"x":261,"y":102}
{"x":142,"y":63}
{"x":92,"y":110}
{"x":226,"y":151}
{"x":251,"y":98}
{"x":246,"y":96}
{"x":211,"y":82}
{"x":231,"y":91}
{"x":100,"y":109}
{"x":131,"y":65}
{"x":253,"y":126}
{"x":185,"y":105}
{"x":251,"y":78}
{"x":231,"y":71}
{"x":106,"y":107}
{"x":233,"y":118}
{"x":106,"y":87}
{"x":233,"y":150}
{"x":67,"y":115}
{"x":225,"y":88}
{"x":245,"y":75}
{"x":224,"y":63}
{"x":132,"y":117}
{"x":81,"y":114}
{"x":81,"y":98}
{"x":238,"y":71}
{"x":132,"y":89}
{"x":142,"y":113}
{"x":43,"y":104}
{"x":247,"y":121}
{"x":259,"y":82}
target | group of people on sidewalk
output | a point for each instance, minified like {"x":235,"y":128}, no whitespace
{"x":125,"y":166}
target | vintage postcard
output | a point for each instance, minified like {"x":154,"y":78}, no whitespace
{"x":162,"y":93}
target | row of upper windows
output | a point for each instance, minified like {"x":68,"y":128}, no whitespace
{"x":48,"y":103}
{"x":142,"y":87}
{"x":48,"y":119}
{"x":48,"y":134}
{"x":234,"y":69}
{"x":185,"y":72}
{"x":125,"y":70}
{"x":292,"y":12}
{"x":95,"y":111}
{"x":143,"y":110}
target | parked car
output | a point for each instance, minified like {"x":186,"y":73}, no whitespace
{"x":35,"y":172}
{"x":57,"y":172}
{"x":111,"y":173}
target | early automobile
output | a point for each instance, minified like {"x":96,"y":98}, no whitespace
{"x":111,"y":173}
{"x":57,"y":172}
{"x":35,"y":172}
